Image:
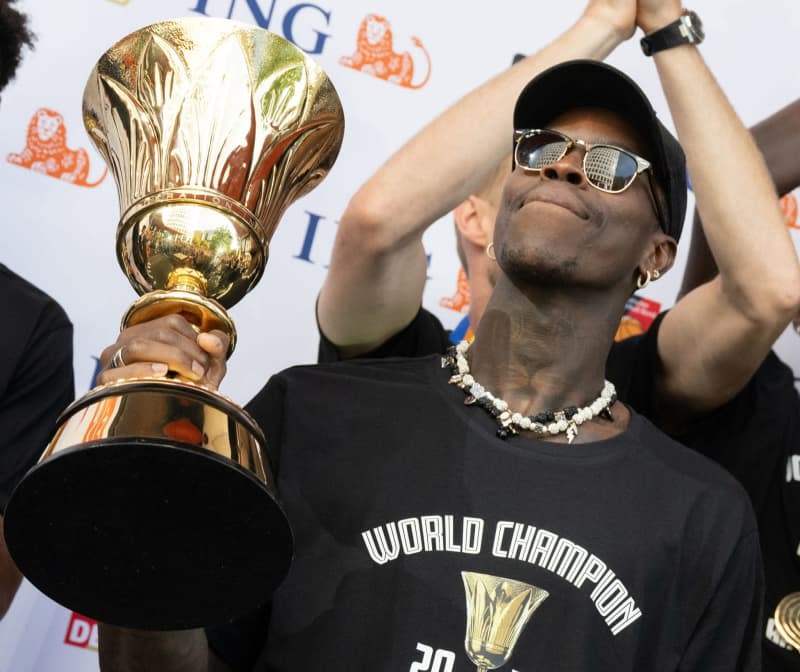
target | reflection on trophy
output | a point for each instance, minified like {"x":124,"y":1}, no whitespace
{"x":787,"y":619}
{"x":498,"y":610}
{"x":154,"y":505}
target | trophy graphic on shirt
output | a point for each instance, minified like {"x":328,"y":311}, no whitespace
{"x":787,"y":619}
{"x":154,"y":506}
{"x":498,"y":610}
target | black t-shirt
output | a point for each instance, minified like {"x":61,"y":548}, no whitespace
{"x":425,"y":335}
{"x":394,"y":488}
{"x":36,"y":379}
{"x":756,"y":437}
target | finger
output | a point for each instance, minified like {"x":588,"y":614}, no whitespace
{"x":138,"y":370}
{"x":183,"y":355}
{"x":170,"y":329}
{"x":214,"y":342}
{"x":216,"y":372}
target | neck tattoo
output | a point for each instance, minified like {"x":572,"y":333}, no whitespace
{"x":563,"y":420}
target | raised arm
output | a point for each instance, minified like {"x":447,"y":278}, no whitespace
{"x":778,"y":138}
{"x":374,"y":285}
{"x":713,"y":340}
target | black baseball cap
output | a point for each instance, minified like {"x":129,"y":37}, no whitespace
{"x":587,"y":83}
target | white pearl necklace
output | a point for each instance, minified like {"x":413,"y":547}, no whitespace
{"x":550,"y":423}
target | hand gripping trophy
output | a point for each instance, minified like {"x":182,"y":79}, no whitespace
{"x":154,"y":506}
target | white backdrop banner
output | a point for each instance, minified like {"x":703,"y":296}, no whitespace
{"x":61,"y":207}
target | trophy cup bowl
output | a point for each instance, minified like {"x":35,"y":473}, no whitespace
{"x":498,"y":610}
{"x":154,"y":505}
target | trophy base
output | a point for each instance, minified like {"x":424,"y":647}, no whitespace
{"x":149,"y":532}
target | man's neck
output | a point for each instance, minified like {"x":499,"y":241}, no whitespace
{"x":545,"y":348}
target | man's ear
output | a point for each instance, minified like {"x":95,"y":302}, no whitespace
{"x":474,"y":221}
{"x":660,"y":255}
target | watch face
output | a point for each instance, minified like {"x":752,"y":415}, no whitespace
{"x":695,"y":26}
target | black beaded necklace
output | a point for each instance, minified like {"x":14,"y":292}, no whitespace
{"x":566,"y":420}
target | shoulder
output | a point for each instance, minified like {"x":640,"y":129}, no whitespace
{"x":27,"y":303}
{"x":769,"y":398}
{"x":751,"y":432}
{"x":377,"y":371}
{"x":352,"y":384}
{"x":691,"y":476}
{"x":424,"y":335}
{"x":40,"y":324}
{"x":634,"y":352}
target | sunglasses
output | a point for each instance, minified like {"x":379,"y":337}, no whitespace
{"x":607,"y":167}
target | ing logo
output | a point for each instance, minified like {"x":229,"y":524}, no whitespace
{"x":789,"y":206}
{"x":375,"y":54}
{"x":46,"y":151}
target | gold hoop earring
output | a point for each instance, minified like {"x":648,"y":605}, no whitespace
{"x":490,"y":252}
{"x":656,"y":275}
{"x":642,"y":282}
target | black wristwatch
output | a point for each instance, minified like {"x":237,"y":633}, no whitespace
{"x":688,"y":29}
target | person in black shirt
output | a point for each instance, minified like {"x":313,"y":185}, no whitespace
{"x":36,"y":380}
{"x":712,"y":341}
{"x":756,"y":435}
{"x":425,"y":506}
{"x":706,"y":364}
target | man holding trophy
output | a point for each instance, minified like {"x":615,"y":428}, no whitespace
{"x":498,"y":507}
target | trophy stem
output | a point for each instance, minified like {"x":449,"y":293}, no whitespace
{"x":483,"y":668}
{"x":204,"y":313}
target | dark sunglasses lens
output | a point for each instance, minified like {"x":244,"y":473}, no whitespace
{"x":534,"y":152}
{"x":609,"y":169}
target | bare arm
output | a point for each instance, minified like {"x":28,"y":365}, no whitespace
{"x":123,"y":650}
{"x":10,"y":577}
{"x":377,"y":273}
{"x":778,"y":138}
{"x":713,"y":340}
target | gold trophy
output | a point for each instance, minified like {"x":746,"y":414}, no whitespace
{"x":787,"y":619}
{"x":154,"y":506}
{"x":498,"y":610}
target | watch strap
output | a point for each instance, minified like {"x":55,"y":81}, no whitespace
{"x":685,"y":30}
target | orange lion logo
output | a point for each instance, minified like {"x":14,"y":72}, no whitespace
{"x":46,"y":151}
{"x":789,"y":205}
{"x":459,"y":302}
{"x":628,"y":326}
{"x":375,"y":54}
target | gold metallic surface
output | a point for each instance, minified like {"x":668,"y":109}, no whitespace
{"x":498,"y":610}
{"x":206,"y":314}
{"x":160,"y":409}
{"x":787,"y":619}
{"x":211,"y":129}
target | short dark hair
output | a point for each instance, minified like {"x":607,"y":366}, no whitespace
{"x":14,"y":35}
